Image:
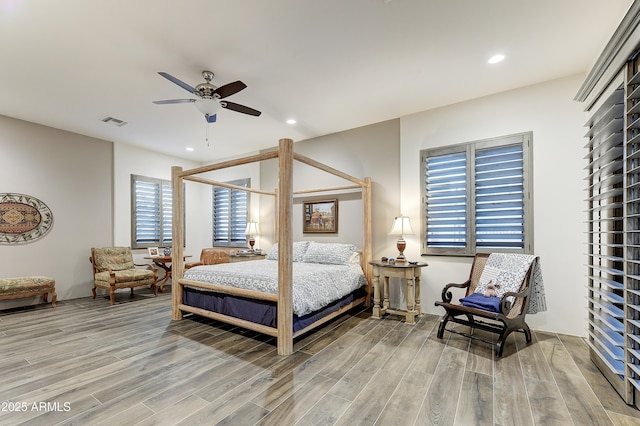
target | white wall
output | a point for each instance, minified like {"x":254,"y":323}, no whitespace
{"x":369,"y":151}
{"x":130,"y":160}
{"x":559,"y":232}
{"x":71,"y":174}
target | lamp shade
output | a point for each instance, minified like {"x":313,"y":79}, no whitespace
{"x":208,"y":106}
{"x":401,"y":226}
{"x":252,"y":228}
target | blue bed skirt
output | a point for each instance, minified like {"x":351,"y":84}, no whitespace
{"x":258,"y":311}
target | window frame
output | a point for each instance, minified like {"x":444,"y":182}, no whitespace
{"x":243,"y":182}
{"x":470,"y":148}
{"x":161,"y":212}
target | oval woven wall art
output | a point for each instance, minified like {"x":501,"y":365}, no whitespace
{"x":23,"y":219}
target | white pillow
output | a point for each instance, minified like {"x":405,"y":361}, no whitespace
{"x":299,"y":248}
{"x":331,"y":253}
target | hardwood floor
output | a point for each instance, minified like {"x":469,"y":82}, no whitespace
{"x":86,"y":362}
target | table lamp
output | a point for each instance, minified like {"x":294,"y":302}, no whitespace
{"x":401,"y":226}
{"x":252,"y":229}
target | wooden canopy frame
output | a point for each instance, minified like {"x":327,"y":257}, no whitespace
{"x":284,"y":209}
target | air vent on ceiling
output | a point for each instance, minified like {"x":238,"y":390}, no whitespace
{"x":114,"y":121}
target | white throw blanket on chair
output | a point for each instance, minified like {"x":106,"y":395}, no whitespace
{"x":507,"y":271}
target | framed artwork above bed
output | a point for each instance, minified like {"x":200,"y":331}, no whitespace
{"x":320,"y":216}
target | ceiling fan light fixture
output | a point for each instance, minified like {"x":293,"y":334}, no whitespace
{"x":208,"y":106}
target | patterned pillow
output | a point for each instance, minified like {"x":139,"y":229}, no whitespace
{"x":299,"y":248}
{"x":332,"y":253}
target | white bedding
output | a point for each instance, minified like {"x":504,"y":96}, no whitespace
{"x":314,"y":285}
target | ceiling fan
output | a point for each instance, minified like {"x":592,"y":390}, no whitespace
{"x":209,"y":96}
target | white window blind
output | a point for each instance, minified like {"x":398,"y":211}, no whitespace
{"x":499,"y":197}
{"x":446,"y":200}
{"x":230,"y":212}
{"x":613,"y":269}
{"x":151,"y":212}
{"x":476,"y":197}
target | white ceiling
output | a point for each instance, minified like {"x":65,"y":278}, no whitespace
{"x":331,"y":64}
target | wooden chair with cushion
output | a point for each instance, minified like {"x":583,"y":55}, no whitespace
{"x":113,"y":269}
{"x":509,"y":315}
{"x":212,"y":256}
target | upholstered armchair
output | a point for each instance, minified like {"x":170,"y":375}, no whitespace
{"x":113,"y":269}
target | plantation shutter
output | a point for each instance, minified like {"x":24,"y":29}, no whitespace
{"x":147,"y":212}
{"x":221,"y":215}
{"x":606,"y":251}
{"x":476,"y":197}
{"x":230,"y":212}
{"x":446,"y":200}
{"x":499,"y":197}
{"x":167,"y":212}
{"x":151,"y":216}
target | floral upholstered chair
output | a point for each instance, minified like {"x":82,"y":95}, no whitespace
{"x":113,"y":268}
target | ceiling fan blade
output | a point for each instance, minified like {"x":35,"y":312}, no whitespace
{"x":180,"y":83}
{"x":230,"y":89}
{"x":175,"y":101}
{"x":210,"y":118}
{"x":240,"y":108}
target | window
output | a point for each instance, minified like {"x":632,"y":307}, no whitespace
{"x":477,"y":197}
{"x":151,"y":203}
{"x":230,"y":212}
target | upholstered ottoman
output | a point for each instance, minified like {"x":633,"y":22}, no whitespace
{"x":13,"y":288}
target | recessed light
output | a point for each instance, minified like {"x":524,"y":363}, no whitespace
{"x":189,"y":149}
{"x":291,"y":121}
{"x":496,"y":58}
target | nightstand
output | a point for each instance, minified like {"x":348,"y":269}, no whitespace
{"x":410,"y":272}
{"x":233,"y":258}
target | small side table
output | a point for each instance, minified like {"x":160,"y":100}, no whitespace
{"x":233,"y":258}
{"x":165,"y":263}
{"x":410,"y":272}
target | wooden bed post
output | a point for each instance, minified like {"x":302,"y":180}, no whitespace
{"x":367,"y":249}
{"x":177,"y":238}
{"x":285,"y":247}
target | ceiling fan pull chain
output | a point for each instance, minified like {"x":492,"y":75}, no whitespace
{"x":207,"y":137}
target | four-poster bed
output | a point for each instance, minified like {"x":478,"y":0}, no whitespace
{"x":283,"y":299}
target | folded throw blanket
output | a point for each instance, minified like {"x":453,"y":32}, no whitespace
{"x":480,"y":301}
{"x":507,"y":270}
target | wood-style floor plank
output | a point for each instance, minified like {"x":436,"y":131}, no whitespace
{"x":91,"y":363}
{"x":441,"y":400}
{"x":511,"y":403}
{"x":578,"y":349}
{"x":298,"y":404}
{"x":476,"y":400}
{"x":405,"y":402}
{"x":584,"y":406}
